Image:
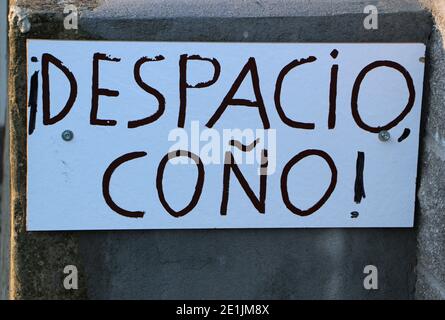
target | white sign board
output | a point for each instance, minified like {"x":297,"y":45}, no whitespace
{"x":174,"y":135}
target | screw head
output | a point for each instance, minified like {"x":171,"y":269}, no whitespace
{"x":67,"y":135}
{"x":384,"y":135}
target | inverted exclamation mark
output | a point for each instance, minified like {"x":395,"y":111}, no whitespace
{"x":32,"y":101}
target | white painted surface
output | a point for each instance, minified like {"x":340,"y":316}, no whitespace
{"x":65,"y":178}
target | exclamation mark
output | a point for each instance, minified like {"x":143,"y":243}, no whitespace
{"x":359,"y":188}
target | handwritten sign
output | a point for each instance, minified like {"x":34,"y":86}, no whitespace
{"x":173,"y":135}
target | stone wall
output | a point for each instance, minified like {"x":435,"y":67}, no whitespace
{"x":230,"y":264}
{"x":431,"y":187}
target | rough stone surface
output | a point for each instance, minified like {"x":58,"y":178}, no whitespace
{"x":438,"y":9}
{"x":431,"y":221}
{"x":435,"y":115}
{"x":275,"y":263}
{"x":36,"y":260}
{"x":4,"y":161}
{"x":431,"y":191}
{"x":427,"y":287}
{"x":154,"y":9}
{"x":138,"y":9}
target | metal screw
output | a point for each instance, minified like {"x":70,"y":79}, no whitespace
{"x":67,"y":135}
{"x":384,"y":135}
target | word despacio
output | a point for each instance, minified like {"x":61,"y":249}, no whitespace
{"x":227,"y":101}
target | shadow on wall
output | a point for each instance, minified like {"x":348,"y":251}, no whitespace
{"x":247,"y":264}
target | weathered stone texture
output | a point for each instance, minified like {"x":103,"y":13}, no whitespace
{"x":286,"y":263}
{"x":431,"y":191}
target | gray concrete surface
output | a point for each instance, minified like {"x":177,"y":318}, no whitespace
{"x":431,"y":191}
{"x":284,"y":263}
{"x":155,"y":9}
{"x":140,"y":9}
{"x":248,"y":264}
